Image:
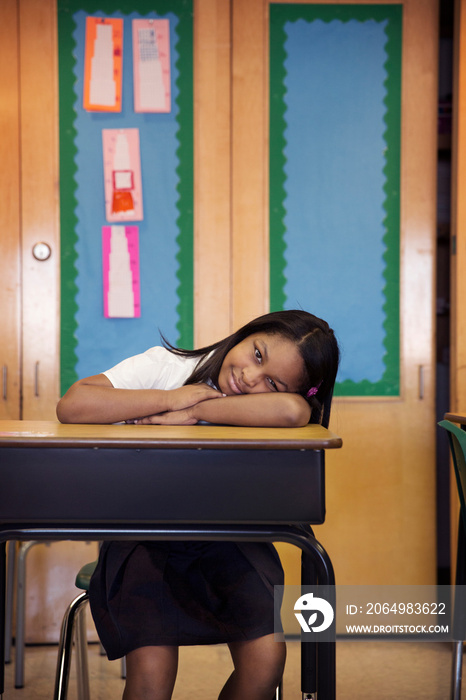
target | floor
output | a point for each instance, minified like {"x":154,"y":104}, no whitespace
{"x":365,"y":670}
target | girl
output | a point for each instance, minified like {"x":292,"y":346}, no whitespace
{"x":148,"y":598}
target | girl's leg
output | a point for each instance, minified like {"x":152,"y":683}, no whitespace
{"x":151,"y":673}
{"x":259,"y":665}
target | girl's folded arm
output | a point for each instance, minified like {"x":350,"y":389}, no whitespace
{"x":95,"y":400}
{"x":278,"y":409}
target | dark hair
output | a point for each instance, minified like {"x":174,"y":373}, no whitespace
{"x":314,"y":339}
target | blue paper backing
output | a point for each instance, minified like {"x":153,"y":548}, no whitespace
{"x":102,"y":342}
{"x":334,"y":172}
{"x":334,"y":257}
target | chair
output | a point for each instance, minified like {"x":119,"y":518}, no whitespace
{"x":74,"y":630}
{"x":16,"y":583}
{"x":457,"y":439}
{"x":16,"y":565}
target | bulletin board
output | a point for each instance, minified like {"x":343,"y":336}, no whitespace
{"x":335,"y":124}
{"x":126,"y":254}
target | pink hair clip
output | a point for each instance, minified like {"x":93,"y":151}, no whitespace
{"x":313,"y":390}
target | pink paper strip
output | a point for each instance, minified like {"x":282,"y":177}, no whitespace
{"x":151,"y":65}
{"x":122,"y":175}
{"x":121,"y":279}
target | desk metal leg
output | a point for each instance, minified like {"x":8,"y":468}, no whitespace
{"x":308,"y":649}
{"x":2,"y":615}
{"x":317,"y":660}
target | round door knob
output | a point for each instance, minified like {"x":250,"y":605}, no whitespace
{"x":42,"y":251}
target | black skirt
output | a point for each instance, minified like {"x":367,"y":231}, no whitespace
{"x":173,"y":593}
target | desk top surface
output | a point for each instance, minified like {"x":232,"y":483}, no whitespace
{"x":17,"y":433}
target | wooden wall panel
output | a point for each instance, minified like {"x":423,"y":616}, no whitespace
{"x":212,"y":171}
{"x":249,"y":199}
{"x":39,"y":207}
{"x":10,"y":297}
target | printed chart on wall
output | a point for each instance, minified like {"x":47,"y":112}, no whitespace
{"x":126,"y":179}
{"x":335,"y":91}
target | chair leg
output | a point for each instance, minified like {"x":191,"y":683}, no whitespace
{"x":123,"y":667}
{"x":279,"y":691}
{"x":82,"y":665}
{"x":9,"y":599}
{"x":66,"y":645}
{"x":459,"y":615}
{"x":21,"y":612}
{"x":457,"y":670}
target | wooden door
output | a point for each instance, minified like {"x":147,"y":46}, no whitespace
{"x":29,"y":182}
{"x":380,"y":526}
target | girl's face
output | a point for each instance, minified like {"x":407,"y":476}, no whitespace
{"x":261,"y":363}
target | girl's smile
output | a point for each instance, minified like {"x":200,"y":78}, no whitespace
{"x":262,"y":363}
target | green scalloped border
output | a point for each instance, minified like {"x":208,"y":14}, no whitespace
{"x":389,"y":384}
{"x":183,"y":9}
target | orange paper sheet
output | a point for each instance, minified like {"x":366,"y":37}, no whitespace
{"x":103,"y":64}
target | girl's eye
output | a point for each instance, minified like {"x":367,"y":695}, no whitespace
{"x":258,"y":354}
{"x":272,"y":384}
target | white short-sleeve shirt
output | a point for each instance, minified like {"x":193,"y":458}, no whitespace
{"x":157,"y":368}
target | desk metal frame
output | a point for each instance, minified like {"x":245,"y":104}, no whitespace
{"x":54,"y":491}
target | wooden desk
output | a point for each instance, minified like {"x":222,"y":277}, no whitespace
{"x":200,"y":482}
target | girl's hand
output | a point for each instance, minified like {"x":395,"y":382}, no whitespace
{"x":182,"y":401}
{"x":186,"y":396}
{"x":182,"y":417}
